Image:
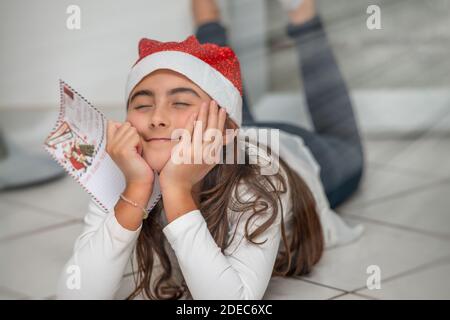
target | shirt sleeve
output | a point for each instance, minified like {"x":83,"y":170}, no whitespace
{"x":242,"y":273}
{"x":99,"y":259}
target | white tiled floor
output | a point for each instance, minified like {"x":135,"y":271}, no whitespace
{"x":8,"y":294}
{"x":296,"y":289}
{"x":430,"y":283}
{"x":382,"y":182}
{"x":31,"y":264}
{"x":350,"y":296}
{"x":395,"y":251}
{"x":427,"y":210}
{"x":48,"y":198}
{"x":405,"y":213}
{"x":17,"y":219}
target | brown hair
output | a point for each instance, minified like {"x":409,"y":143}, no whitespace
{"x":301,"y":251}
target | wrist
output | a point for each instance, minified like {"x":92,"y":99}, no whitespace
{"x":129,"y":212}
{"x":178,"y":202}
{"x":139,"y":193}
{"x":176,"y":188}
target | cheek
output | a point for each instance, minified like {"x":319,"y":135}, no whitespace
{"x":183,"y":118}
{"x":136,"y":121}
{"x":181,"y":122}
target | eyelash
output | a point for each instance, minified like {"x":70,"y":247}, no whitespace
{"x":143,"y":106}
{"x":179,"y":103}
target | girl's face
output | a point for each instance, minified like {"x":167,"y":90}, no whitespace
{"x":159,"y":104}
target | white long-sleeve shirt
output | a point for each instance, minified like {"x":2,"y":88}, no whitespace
{"x":104,"y":248}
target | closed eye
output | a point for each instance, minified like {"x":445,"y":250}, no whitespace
{"x":182,"y":103}
{"x":143,"y":106}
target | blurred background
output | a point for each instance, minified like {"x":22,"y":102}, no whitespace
{"x":400,"y":85}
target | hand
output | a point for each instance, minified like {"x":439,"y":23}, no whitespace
{"x":125,"y":147}
{"x":200,"y":153}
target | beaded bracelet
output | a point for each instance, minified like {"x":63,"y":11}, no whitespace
{"x":145,"y":215}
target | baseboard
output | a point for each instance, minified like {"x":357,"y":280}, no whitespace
{"x":390,"y":112}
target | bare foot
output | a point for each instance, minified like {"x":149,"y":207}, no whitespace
{"x":305,"y":12}
{"x":205,"y":11}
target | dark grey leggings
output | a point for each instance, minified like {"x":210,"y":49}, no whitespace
{"x":335,"y":141}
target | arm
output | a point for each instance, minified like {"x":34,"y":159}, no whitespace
{"x":242,"y":273}
{"x":101,"y":252}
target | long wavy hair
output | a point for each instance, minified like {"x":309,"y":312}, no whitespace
{"x":301,"y":252}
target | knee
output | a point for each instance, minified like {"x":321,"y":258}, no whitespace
{"x":346,"y":178}
{"x":212,"y":32}
{"x":345,"y":190}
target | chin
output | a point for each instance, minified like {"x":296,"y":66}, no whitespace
{"x":157,"y":161}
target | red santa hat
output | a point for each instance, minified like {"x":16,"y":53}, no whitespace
{"x":213,"y":68}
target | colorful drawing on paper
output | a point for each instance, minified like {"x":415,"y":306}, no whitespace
{"x":71,"y":150}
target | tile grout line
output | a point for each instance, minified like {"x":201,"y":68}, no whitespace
{"x":436,"y":121}
{"x":397,"y":195}
{"x":320,"y":284}
{"x":356,"y":294}
{"x":440,"y":261}
{"x":337,"y":296}
{"x":432,"y":234}
{"x":364,"y":296}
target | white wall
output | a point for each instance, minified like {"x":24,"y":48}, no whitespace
{"x":37,"y":48}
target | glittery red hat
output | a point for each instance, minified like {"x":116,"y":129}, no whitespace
{"x":213,"y":68}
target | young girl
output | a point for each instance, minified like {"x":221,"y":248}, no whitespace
{"x":220,"y":230}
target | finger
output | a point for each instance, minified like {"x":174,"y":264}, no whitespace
{"x":132,"y":139}
{"x":203,"y":115}
{"x":190,"y":124}
{"x":197,"y":137}
{"x":197,"y":142}
{"x":123,"y":129}
{"x":111,"y":128}
{"x":212,"y":115}
{"x":128,"y":138}
{"x":116,"y":124}
{"x":221,"y":120}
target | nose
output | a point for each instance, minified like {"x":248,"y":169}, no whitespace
{"x":158,"y":118}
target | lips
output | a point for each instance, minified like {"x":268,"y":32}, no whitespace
{"x":161,"y":139}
